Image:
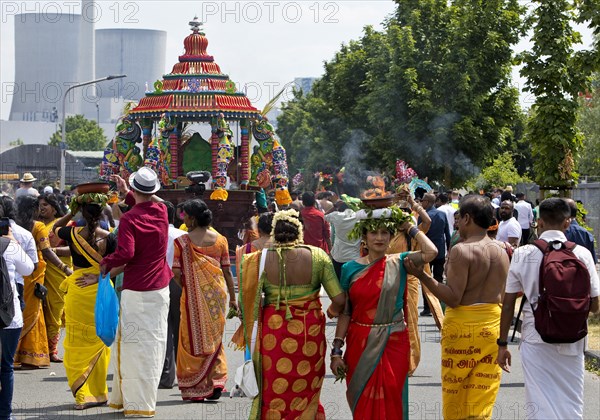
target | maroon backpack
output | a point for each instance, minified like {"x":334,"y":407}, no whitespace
{"x":564,"y":301}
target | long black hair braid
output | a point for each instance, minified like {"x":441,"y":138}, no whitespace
{"x":92,"y":213}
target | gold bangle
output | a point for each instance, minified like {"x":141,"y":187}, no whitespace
{"x":335,"y":356}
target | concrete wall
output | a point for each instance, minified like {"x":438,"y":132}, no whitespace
{"x":589,"y":194}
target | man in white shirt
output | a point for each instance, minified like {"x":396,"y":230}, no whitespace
{"x":343,"y":219}
{"x":525,"y":217}
{"x":17,"y":262}
{"x":23,"y":238}
{"x":26,"y":187}
{"x":509,"y":230}
{"x":169,"y":373}
{"x":554,"y":373}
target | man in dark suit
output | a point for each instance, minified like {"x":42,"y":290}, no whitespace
{"x":439,"y":234}
{"x":576,"y":233}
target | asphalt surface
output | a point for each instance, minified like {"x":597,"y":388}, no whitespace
{"x":44,"y":393}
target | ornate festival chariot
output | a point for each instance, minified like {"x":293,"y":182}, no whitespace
{"x":195,"y":124}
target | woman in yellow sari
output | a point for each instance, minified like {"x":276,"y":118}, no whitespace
{"x":50,"y":212}
{"x":86,"y":356}
{"x":202,"y":268}
{"x":33,"y":351}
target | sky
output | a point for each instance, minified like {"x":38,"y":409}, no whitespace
{"x":262,"y":45}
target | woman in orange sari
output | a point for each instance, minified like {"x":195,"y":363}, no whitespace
{"x":373,"y":322}
{"x":201,"y":267}
{"x":288,"y":337}
{"x":33,"y":351}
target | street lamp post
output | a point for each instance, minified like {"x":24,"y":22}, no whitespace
{"x":63,"y":145}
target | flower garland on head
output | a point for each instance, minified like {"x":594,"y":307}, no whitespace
{"x":87,"y":198}
{"x":390,"y":218}
{"x":290,"y":216}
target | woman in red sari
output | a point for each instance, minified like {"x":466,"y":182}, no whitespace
{"x":373,"y":322}
{"x":201,"y":267}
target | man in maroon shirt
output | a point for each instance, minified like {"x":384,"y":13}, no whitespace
{"x":316,"y":229}
{"x":141,"y":340}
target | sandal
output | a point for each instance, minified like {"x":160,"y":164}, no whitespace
{"x":55,"y":359}
{"x":85,"y":406}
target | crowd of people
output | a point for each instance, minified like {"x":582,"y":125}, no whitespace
{"x":472,"y":258}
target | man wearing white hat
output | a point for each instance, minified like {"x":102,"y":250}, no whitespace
{"x":140,"y":345}
{"x":26,"y":187}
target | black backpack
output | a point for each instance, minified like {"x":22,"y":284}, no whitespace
{"x":7,"y":305}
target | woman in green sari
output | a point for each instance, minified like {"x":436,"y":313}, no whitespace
{"x":288,"y":336}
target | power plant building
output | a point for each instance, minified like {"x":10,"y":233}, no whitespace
{"x":138,"y":53}
{"x":48,"y":59}
{"x":53,"y":54}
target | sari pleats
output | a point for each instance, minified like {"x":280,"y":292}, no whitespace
{"x":33,"y":344}
{"x":293,"y":356}
{"x":86,"y":357}
{"x":55,"y":300}
{"x":201,"y":362}
{"x":383,"y":395}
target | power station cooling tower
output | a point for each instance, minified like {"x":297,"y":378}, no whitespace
{"x":48,"y":60}
{"x":138,"y":53}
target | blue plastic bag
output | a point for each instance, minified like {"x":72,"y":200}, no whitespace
{"x":107,"y":311}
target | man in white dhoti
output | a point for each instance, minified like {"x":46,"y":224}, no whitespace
{"x":553,"y":372}
{"x":141,"y":340}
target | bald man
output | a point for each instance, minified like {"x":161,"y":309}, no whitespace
{"x":509,"y":229}
{"x":439,"y":234}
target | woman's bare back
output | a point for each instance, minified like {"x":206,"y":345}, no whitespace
{"x":298,"y":266}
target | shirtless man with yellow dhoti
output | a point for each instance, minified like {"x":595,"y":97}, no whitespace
{"x":475,"y":280}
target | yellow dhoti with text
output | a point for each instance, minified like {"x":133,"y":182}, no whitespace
{"x":86,"y":356}
{"x":470,"y":375}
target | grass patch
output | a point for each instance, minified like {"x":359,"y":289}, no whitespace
{"x":594,"y":332}
{"x":592,"y":366}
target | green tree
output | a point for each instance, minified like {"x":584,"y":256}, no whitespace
{"x":446,"y":96}
{"x":17,"y":142}
{"x":555,"y":75}
{"x":500,"y":173}
{"x":433,"y":88}
{"x":81,"y":133}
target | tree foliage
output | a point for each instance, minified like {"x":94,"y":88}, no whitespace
{"x":81,"y":134}
{"x":499,"y":174}
{"x":433,"y":88}
{"x":17,"y":142}
{"x":555,"y":75}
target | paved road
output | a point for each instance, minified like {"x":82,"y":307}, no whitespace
{"x":44,"y":394}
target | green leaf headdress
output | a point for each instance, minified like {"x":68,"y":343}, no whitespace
{"x":390,"y":218}
{"x":87,"y":198}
